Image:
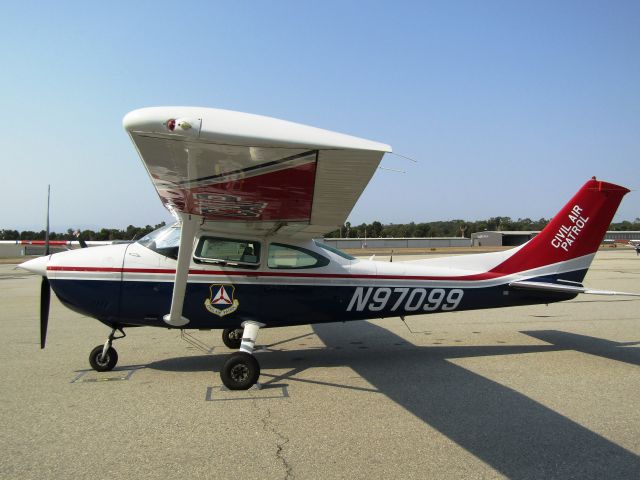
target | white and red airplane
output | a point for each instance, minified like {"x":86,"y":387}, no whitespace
{"x":251,"y":193}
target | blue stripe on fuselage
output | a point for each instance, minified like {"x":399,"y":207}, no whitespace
{"x":145,"y":303}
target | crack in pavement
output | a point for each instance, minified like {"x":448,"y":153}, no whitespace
{"x":280,"y":444}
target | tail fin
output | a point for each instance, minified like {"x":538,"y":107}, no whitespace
{"x":574,"y":234}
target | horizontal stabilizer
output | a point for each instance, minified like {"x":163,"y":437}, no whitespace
{"x":570,"y":289}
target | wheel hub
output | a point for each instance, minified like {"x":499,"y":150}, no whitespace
{"x":102,"y":360}
{"x":239,"y":373}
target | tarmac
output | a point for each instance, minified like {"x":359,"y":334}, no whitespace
{"x":524,"y":393}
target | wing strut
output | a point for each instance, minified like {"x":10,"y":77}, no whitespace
{"x":187,"y":235}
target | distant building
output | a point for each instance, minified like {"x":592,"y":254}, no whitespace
{"x":622,"y":237}
{"x":515,"y":238}
{"x":502,"y":239}
{"x":400,"y":243}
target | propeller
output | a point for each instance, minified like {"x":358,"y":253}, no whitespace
{"x":45,"y":300}
{"x":45,"y":287}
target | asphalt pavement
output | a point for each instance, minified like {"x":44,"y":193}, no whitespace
{"x":525,"y":393}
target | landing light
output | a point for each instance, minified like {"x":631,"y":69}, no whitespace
{"x":172,"y":123}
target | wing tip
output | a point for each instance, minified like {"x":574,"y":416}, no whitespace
{"x":245,"y":128}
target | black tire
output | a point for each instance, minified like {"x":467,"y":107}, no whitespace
{"x":103,"y":364}
{"x":240,"y":372}
{"x":232,"y":337}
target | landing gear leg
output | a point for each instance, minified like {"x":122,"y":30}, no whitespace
{"x":103,"y":358}
{"x":241,"y":370}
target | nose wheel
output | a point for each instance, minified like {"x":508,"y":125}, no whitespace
{"x":101,"y":362}
{"x":241,"y":370}
{"x":104,"y":358}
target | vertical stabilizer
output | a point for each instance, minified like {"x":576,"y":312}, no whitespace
{"x":574,"y":233}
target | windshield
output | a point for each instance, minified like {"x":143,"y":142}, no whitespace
{"x":333,"y":250}
{"x":165,"y":240}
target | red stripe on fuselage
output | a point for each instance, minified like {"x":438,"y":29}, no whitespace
{"x":475,"y":277}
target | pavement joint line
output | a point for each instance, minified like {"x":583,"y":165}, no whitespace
{"x":318,"y":382}
{"x":82,"y":373}
{"x":209,"y":396}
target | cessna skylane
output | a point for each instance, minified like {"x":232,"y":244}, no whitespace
{"x":251,"y":194}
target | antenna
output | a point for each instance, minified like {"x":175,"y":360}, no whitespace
{"x":392,"y":170}
{"x":46,"y":235}
{"x":403,"y":156}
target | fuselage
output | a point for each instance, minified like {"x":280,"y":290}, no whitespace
{"x":281,"y":281}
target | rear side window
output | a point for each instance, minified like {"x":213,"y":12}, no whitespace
{"x":228,"y":252}
{"x":288,"y":257}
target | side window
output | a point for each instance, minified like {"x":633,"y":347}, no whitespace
{"x":288,"y":256}
{"x":228,"y":252}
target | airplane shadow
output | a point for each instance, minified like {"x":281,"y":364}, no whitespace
{"x":595,"y":346}
{"x":516,"y":435}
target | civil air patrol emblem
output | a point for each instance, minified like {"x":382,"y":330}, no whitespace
{"x":221,"y":300}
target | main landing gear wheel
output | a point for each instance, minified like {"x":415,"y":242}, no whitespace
{"x":103,"y":363}
{"x":240,"y":372}
{"x":232,"y":337}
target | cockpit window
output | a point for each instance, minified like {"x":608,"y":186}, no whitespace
{"x":228,"y":252}
{"x":288,"y":256}
{"x":165,"y":240}
{"x":340,"y":253}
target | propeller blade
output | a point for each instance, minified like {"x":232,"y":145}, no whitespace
{"x":45,"y":299}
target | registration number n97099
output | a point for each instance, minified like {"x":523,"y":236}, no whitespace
{"x":407,"y":299}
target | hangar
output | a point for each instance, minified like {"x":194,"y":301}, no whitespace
{"x":400,"y":243}
{"x":514,"y":238}
{"x":502,"y":239}
{"x":622,"y":236}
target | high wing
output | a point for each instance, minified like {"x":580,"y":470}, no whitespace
{"x":249,"y":172}
{"x":240,"y":172}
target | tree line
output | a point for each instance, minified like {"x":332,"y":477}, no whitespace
{"x":443,"y":228}
{"x":104,"y":234}
{"x":452,"y":228}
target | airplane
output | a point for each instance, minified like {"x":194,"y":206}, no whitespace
{"x":251,"y":195}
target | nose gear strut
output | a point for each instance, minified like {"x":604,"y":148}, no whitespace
{"x":104,"y":358}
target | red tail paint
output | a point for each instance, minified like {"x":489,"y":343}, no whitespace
{"x":577,"y":230}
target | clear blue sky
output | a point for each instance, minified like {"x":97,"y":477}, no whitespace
{"x":508,"y":106}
